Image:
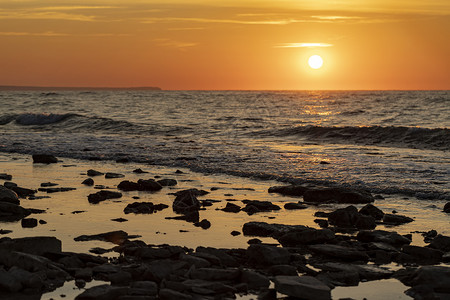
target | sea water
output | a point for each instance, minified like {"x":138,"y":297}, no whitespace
{"x":389,"y":142}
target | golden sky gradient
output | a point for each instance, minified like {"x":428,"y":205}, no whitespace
{"x":226,"y":44}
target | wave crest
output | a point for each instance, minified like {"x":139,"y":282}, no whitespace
{"x":40,"y":118}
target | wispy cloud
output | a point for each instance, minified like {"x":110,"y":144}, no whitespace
{"x":226,"y":21}
{"x":48,"y":33}
{"x":303,"y":45}
{"x":73,"y":7}
{"x":46,"y":16}
{"x":174,"y":44}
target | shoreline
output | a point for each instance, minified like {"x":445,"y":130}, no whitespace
{"x":155,"y":229}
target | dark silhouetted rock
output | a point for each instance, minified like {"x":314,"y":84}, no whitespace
{"x":38,"y":245}
{"x":365,"y":272}
{"x":102,"y":292}
{"x":447,"y":207}
{"x":204,"y":224}
{"x":186,"y":202}
{"x":115,"y":237}
{"x":321,"y":222}
{"x":293,"y":206}
{"x":94,"y":173}
{"x":4,"y":176}
{"x":235,"y":233}
{"x":373,"y":211}
{"x":149,"y":185}
{"x":254,"y":280}
{"x":23,"y":192}
{"x":340,"y":252}
{"x":391,"y":238}
{"x":139,"y":171}
{"x":12,"y":212}
{"x":127,"y":185}
{"x":143,"y":208}
{"x":44,"y":159}
{"x":8,"y":195}
{"x":289,"y":190}
{"x":110,"y":175}
{"x":212,"y":274}
{"x":265,"y":255}
{"x":261,"y":206}
{"x":302,"y":287}
{"x":264,"y":229}
{"x":168,"y":294}
{"x":441,"y":242}
{"x":167,"y":182}
{"x":48,"y":184}
{"x":349,"y":217}
{"x":56,"y":190}
{"x":231,"y":207}
{"x":429,"y":282}
{"x":392,"y":219}
{"x":88,"y":182}
{"x":306,"y":237}
{"x":337,"y":195}
{"x":102,"y":196}
{"x":423,"y":254}
{"x":29,"y":222}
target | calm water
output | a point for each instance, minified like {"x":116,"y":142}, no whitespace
{"x":387,"y":141}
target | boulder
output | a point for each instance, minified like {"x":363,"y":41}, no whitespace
{"x":265,"y":255}
{"x":349,"y":217}
{"x":303,"y":287}
{"x":213,"y":274}
{"x":261,"y":206}
{"x":429,"y":282}
{"x":381,"y":236}
{"x":110,"y":175}
{"x":144,"y":208}
{"x":88,"y":182}
{"x":289,"y":190}
{"x":447,"y":207}
{"x":167,"y":182}
{"x":306,"y":237}
{"x":102,"y":196}
{"x":254,"y":280}
{"x":292,"y":206}
{"x":423,"y":254}
{"x":8,"y":283}
{"x":44,"y":159}
{"x":186,"y":202}
{"x":441,"y":242}
{"x":127,"y":185}
{"x":204,"y":224}
{"x":339,"y":252}
{"x":7,"y":195}
{"x":102,"y":292}
{"x":94,"y":173}
{"x":10,"y":212}
{"x":116,"y":237}
{"x":4,"y":176}
{"x":264,"y":229}
{"x":194,"y":192}
{"x":392,"y":219}
{"x":23,"y":192}
{"x":149,"y":185}
{"x":33,"y":245}
{"x":29,"y":222}
{"x":373,"y":211}
{"x":337,"y":195}
{"x":231,"y":207}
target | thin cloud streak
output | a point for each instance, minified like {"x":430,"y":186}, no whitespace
{"x":303,"y":45}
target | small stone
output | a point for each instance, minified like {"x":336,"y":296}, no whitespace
{"x":292,"y":206}
{"x":44,"y":159}
{"x":235,"y":233}
{"x":29,"y":222}
{"x":447,"y":207}
{"x":4,"y":176}
{"x":204,"y":224}
{"x":120,"y":220}
{"x":110,"y":175}
{"x":88,"y":182}
{"x":139,"y":171}
{"x":94,"y":173}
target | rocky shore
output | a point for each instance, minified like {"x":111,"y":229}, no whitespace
{"x":346,"y":248}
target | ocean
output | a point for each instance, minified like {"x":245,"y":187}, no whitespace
{"x":389,"y":142}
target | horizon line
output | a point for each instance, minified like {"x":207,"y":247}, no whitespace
{"x":155,"y":88}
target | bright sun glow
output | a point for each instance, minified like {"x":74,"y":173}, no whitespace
{"x":315,"y":61}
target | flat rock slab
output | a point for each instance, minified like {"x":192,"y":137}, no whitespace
{"x":340,"y":252}
{"x":337,"y":195}
{"x":33,"y":245}
{"x":44,"y":159}
{"x":102,"y":196}
{"x":265,"y":229}
{"x":116,"y":237}
{"x":289,"y":190}
{"x":303,"y":287}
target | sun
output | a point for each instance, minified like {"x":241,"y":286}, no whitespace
{"x":315,"y":62}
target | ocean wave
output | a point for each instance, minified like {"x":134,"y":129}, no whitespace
{"x":41,"y":118}
{"x":410,"y":137}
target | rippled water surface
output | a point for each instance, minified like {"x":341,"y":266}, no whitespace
{"x":386,"y":141}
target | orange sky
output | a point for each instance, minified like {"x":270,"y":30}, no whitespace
{"x":226,"y":44}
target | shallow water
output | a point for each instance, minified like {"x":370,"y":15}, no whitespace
{"x":155,"y":229}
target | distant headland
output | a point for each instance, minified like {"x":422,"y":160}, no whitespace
{"x":63,"y":88}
